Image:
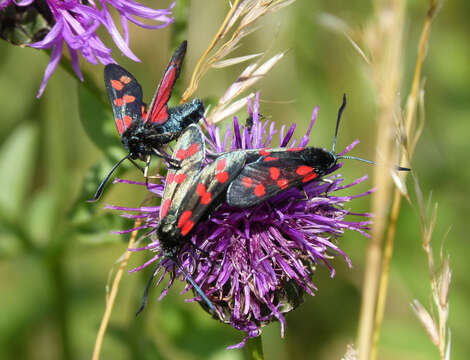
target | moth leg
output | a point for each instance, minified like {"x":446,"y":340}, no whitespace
{"x":137,"y":165}
{"x":305,"y":194}
{"x":329,"y":181}
{"x":173,"y":163}
{"x":147,"y":166}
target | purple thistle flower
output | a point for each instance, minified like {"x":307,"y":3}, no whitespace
{"x":256,"y":264}
{"x":75,"y":22}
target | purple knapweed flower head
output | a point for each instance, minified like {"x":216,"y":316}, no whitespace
{"x":256,"y":264}
{"x":74,"y":22}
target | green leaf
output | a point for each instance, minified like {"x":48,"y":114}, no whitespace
{"x":97,"y":120}
{"x":17,"y":156}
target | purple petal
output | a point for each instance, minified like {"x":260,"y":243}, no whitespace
{"x":53,"y":62}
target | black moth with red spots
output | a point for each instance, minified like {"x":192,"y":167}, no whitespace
{"x":276,"y":170}
{"x":189,"y":193}
{"x":144,"y":133}
{"x":267,"y":172}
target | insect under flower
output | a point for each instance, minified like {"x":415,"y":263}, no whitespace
{"x":255,"y":264}
{"x":75,"y":22}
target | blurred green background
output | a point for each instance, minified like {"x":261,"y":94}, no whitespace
{"x":56,"y":251}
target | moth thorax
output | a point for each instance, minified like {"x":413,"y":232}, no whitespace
{"x":133,"y":139}
{"x":167,"y":227}
{"x":322,"y":160}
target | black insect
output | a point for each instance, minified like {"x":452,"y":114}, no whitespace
{"x":189,"y":193}
{"x":267,"y":172}
{"x":144,"y":133}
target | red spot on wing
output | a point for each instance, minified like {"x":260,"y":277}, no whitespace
{"x":184,"y":217}
{"x":193,"y":149}
{"x":144,"y":113}
{"x":125,"y":79}
{"x":184,"y":154}
{"x":221,"y":164}
{"x":127,"y":121}
{"x":180,"y":178}
{"x":260,"y":190}
{"x":283,"y":183}
{"x":120,"y":125}
{"x":188,"y":225}
{"x":128,"y":98}
{"x":274,"y":173}
{"x":205,"y":195}
{"x":181,"y":154}
{"x":170,"y":177}
{"x":264,"y":152}
{"x":117,"y":85}
{"x":184,"y":222}
{"x":222,"y":177}
{"x":270,"y":158}
{"x":247,"y":182}
{"x":309,"y":177}
{"x":164,"y":208}
{"x":296,"y":149}
{"x":304,"y":170}
{"x":118,"y":102}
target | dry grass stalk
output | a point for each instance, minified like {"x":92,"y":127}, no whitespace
{"x":434,"y":324}
{"x":111,"y":296}
{"x":228,"y":104}
{"x":383,"y":40}
{"x":239,"y":22}
{"x":413,"y":126}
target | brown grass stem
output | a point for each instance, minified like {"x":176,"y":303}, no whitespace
{"x":194,"y":78}
{"x":410,"y":134}
{"x":384,"y":39}
{"x":112,"y":295}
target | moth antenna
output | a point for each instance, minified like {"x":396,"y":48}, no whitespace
{"x":147,"y":289}
{"x":399,"y":168}
{"x":195,"y":286}
{"x":357,"y":158}
{"x":340,"y":112}
{"x":100,"y":189}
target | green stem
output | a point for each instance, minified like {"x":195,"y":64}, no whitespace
{"x":253,"y":349}
{"x":56,"y":270}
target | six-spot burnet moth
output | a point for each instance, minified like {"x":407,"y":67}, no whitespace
{"x":189,"y":192}
{"x":267,"y":172}
{"x":144,"y":133}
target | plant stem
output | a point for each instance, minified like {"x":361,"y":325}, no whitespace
{"x":194,"y":78}
{"x":410,"y":121}
{"x":112,"y":295}
{"x":56,"y":270}
{"x":253,"y":349}
{"x":386,"y":72}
